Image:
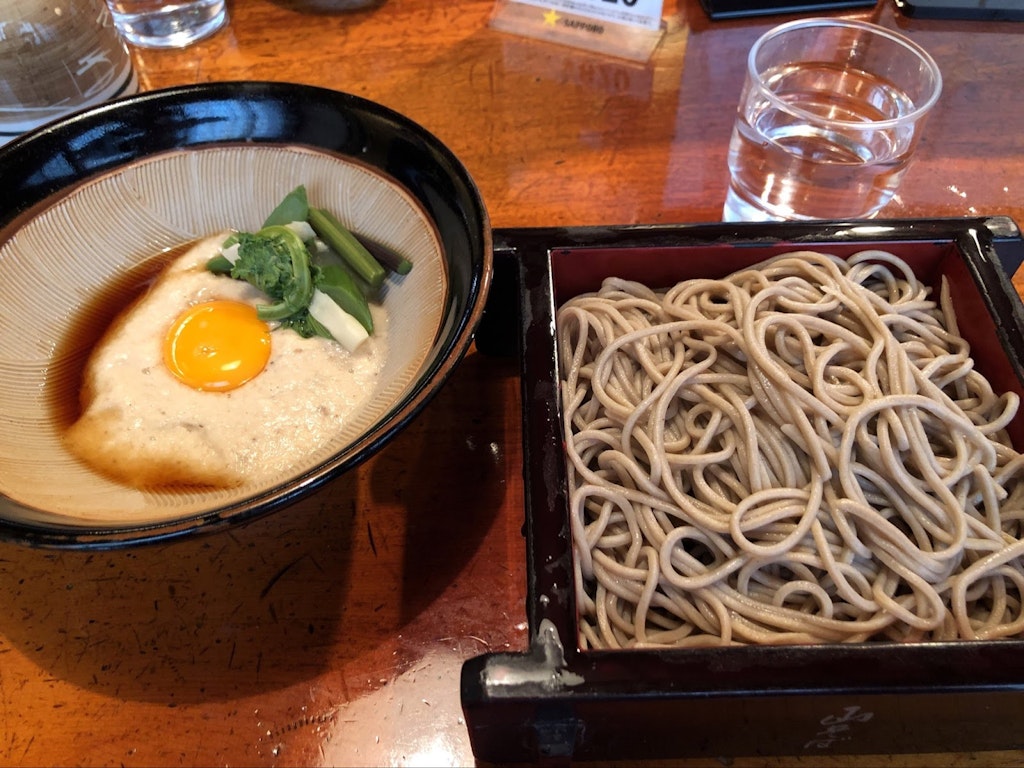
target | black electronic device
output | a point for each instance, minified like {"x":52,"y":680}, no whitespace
{"x":982,"y":10}
{"x":729,"y":9}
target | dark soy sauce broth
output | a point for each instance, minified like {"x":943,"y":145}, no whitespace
{"x":92,"y":322}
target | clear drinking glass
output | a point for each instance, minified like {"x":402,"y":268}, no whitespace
{"x":155,"y":24}
{"x":828,"y":120}
{"x":57,"y":57}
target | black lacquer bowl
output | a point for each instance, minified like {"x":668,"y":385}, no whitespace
{"x":88,"y":198}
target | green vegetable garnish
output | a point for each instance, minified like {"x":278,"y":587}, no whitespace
{"x":311,"y":298}
{"x":339,"y":285}
{"x":220,"y":265}
{"x":276,"y":261}
{"x":294,"y":207}
{"x":346,"y":245}
{"x":388,"y":258}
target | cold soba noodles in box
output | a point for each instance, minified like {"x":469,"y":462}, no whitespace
{"x":800,"y":452}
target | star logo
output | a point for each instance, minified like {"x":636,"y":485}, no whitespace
{"x":551,"y":18}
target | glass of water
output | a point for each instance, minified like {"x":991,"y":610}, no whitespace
{"x":829,"y":116}
{"x":175,"y":24}
{"x":57,"y":58}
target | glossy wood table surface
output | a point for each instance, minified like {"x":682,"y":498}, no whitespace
{"x":333,"y":633}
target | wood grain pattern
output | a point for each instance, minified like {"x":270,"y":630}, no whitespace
{"x":332,"y":633}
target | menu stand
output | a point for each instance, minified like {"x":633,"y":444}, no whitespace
{"x":558,"y":25}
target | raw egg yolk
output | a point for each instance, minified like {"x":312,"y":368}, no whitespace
{"x":217,"y":346}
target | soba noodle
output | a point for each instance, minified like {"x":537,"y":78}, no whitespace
{"x":802,"y":452}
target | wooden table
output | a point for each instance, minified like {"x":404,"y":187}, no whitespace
{"x":333,"y":633}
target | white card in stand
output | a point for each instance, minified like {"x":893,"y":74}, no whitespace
{"x":622,"y":28}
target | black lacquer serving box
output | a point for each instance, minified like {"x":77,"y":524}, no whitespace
{"x":556,"y":702}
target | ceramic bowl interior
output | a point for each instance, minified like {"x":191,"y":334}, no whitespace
{"x":66,"y":247}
